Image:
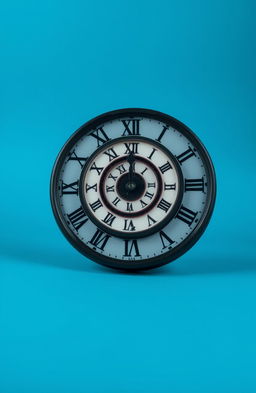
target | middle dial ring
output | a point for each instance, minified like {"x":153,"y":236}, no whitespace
{"x":133,"y":197}
{"x":131,"y":187}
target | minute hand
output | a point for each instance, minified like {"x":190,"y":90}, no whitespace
{"x":131,"y":160}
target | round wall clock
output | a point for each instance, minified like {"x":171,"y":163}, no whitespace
{"x":133,"y":189}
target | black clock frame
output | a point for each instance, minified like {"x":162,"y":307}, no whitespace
{"x":159,"y":260}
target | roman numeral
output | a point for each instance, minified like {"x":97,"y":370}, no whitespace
{"x":185,"y":155}
{"x":109,"y":219}
{"x":151,"y":221}
{"x":131,"y":127}
{"x":110,"y":188}
{"x":131,"y":248}
{"x":77,"y":218}
{"x":194,"y":184}
{"x":148,"y":195}
{"x":74,"y":157}
{"x":166,"y":240}
{"x":96,"y":168}
{"x":96,"y":205}
{"x":165,"y":167}
{"x":128,"y":225}
{"x":131,"y":148}
{"x":116,"y":201}
{"x":71,"y":188}
{"x":143,"y":204}
{"x":112,"y":177}
{"x":151,"y":185}
{"x":144,"y":171}
{"x":186,"y":215}
{"x":162,"y":133}
{"x":151,"y":154}
{"x":88,"y":187}
{"x":100,"y":135}
{"x":121,"y":169}
{"x":111,"y":154}
{"x":129,"y":207}
{"x":164,"y":205}
{"x":170,"y":186}
{"x":99,"y":239}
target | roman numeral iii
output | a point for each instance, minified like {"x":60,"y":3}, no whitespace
{"x":186,"y":215}
{"x":185,"y":155}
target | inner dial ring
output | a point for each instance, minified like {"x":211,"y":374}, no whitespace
{"x":142,"y":216}
{"x":125,"y":206}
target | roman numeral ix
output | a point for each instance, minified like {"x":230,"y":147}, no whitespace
{"x":71,"y":188}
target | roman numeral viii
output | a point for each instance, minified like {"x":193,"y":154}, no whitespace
{"x":194,"y":184}
{"x":186,"y":215}
{"x":77,"y":218}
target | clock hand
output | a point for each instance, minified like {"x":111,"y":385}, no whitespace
{"x":131,"y":160}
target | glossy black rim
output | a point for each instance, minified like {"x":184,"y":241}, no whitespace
{"x":160,"y":259}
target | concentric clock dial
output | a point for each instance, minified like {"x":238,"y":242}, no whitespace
{"x":133,"y":189}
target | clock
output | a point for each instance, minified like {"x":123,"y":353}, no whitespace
{"x":133,"y":189}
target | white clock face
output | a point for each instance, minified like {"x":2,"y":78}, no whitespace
{"x":133,"y":189}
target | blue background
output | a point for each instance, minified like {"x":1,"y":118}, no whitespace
{"x":67,"y":324}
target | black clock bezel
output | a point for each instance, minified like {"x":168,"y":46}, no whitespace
{"x":161,"y":259}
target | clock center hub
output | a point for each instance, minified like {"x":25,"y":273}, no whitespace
{"x":131,"y":189}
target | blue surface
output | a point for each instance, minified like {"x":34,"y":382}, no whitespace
{"x":67,"y":324}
